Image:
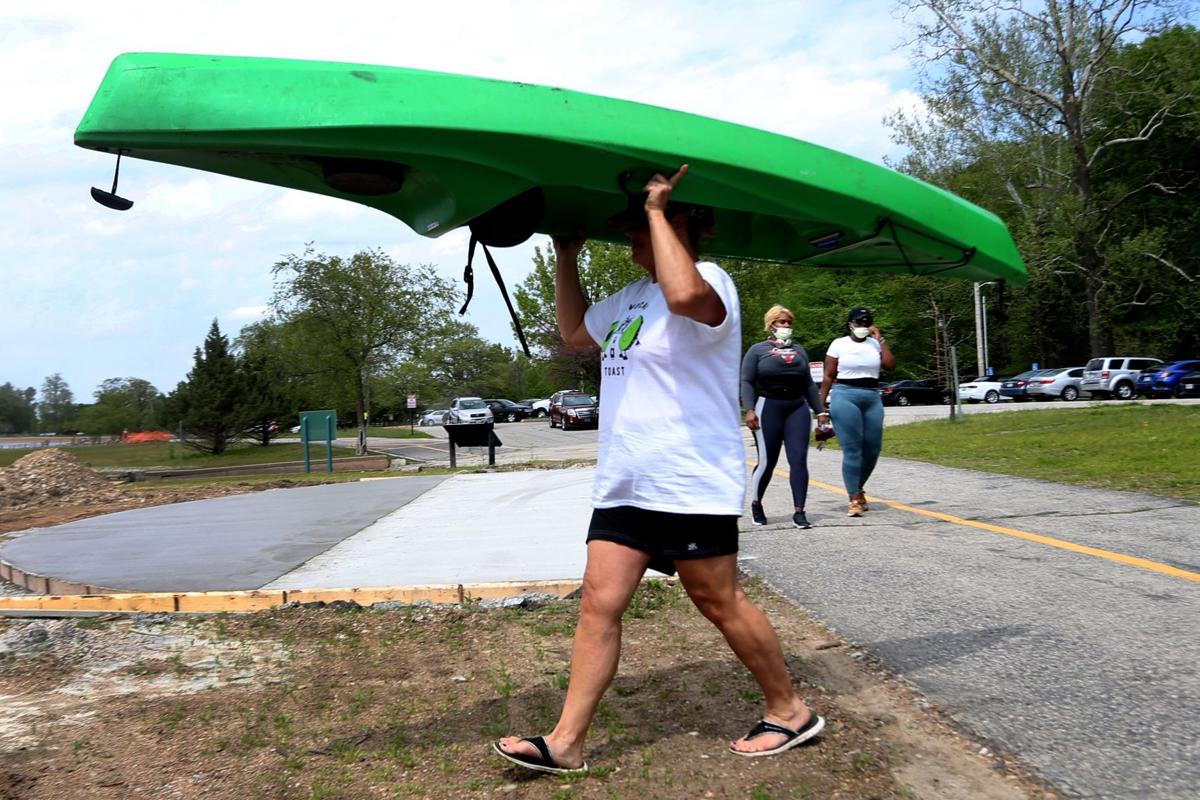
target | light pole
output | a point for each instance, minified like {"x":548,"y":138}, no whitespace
{"x":981,"y":353}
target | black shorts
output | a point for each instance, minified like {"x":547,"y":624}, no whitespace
{"x":666,"y":536}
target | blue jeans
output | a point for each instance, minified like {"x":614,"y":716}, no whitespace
{"x":858,"y":422}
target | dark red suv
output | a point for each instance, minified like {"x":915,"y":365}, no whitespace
{"x":573,"y":410}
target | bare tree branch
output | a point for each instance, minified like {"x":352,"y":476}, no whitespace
{"x":1167,"y":263}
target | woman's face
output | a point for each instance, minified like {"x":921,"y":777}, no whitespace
{"x":642,"y":247}
{"x":782,"y":321}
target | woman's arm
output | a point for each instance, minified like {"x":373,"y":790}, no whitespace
{"x":748,"y":394}
{"x":683,"y":287}
{"x":886,"y":359}
{"x":831,"y":366}
{"x":569,"y":302}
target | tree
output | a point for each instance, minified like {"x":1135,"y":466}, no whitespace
{"x":603,"y":269}
{"x":367,"y":310}
{"x":122,"y":404}
{"x":57,"y":405}
{"x":1019,"y":88}
{"x":271,"y":397}
{"x":17,"y":409}
{"x":211,"y":403}
{"x":461,"y":363}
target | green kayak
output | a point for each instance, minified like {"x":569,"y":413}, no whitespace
{"x":440,"y":151}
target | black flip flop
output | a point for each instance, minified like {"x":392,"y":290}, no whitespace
{"x":543,"y":763}
{"x":807,"y":731}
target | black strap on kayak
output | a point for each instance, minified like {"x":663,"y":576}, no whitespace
{"x":469,"y":279}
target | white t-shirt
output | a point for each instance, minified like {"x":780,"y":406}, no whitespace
{"x":669,"y":420}
{"x":856,"y":359}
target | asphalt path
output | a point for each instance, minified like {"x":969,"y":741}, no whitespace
{"x":1083,"y":664}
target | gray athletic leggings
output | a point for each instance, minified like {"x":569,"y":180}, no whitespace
{"x":858,"y":422}
{"x":782,"y":422}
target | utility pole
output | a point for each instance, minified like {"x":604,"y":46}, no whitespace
{"x":981,"y":343}
{"x":980,"y":347}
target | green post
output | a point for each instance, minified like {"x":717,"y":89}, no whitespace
{"x":330,"y":433}
{"x":304,"y":442}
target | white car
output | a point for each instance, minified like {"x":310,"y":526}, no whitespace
{"x":468,"y":410}
{"x":982,"y":389}
{"x":435,"y":416}
{"x":540,"y":407}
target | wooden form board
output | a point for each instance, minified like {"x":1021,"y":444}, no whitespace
{"x":261,"y":600}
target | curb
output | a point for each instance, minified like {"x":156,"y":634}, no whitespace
{"x":263,"y":600}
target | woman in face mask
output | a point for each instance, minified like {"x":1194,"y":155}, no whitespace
{"x":854,"y":361}
{"x":779,"y":396}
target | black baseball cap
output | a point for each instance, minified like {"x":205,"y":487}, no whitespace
{"x":862,"y":315}
{"x":633,"y":216}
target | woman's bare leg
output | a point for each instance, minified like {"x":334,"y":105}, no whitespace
{"x":609,"y":581}
{"x":713,"y":586}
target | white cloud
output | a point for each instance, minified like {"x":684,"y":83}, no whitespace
{"x":292,"y":206}
{"x":246,"y":313}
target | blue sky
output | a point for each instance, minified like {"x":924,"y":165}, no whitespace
{"x":94,"y":294}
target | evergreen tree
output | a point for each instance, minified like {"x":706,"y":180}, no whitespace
{"x":211,"y":404}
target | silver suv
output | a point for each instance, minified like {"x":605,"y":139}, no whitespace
{"x":1115,"y":376}
{"x":467,"y":410}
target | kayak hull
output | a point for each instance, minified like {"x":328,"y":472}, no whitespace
{"x":437,"y":151}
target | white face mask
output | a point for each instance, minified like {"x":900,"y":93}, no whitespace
{"x":860,"y":333}
{"x":783,"y":334}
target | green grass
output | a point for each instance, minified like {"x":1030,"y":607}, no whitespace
{"x":166,"y":454}
{"x":398,"y":432}
{"x":1143,"y":448}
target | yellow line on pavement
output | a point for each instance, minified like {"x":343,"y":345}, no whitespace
{"x":1121,"y":558}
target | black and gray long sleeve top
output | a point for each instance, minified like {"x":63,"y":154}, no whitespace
{"x":777,"y":372}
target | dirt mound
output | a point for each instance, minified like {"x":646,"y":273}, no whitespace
{"x":52,"y":476}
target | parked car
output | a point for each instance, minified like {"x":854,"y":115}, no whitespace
{"x":556,"y":399}
{"x":982,"y":389}
{"x":507,"y":411}
{"x":541,"y":407}
{"x":1054,"y":383}
{"x":1017,"y":387}
{"x":468,"y":410}
{"x":914,"y":393}
{"x":573,"y":410}
{"x":1163,"y":381}
{"x":1189,"y":385}
{"x":434,"y":416}
{"x":1115,"y":376}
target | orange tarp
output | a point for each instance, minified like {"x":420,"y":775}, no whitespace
{"x":145,"y":436}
